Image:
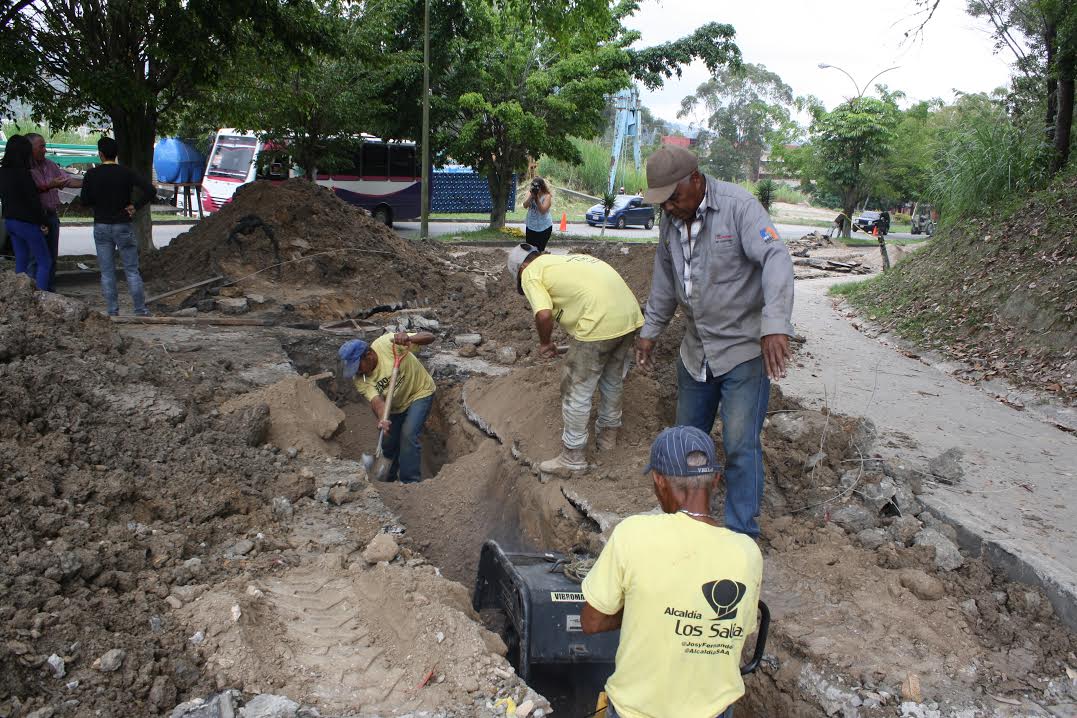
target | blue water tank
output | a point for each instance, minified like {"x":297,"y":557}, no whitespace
{"x":176,"y":161}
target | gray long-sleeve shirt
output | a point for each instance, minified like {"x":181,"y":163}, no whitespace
{"x":741,"y":282}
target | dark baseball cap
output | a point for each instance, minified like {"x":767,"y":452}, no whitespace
{"x":669,"y":452}
{"x":351,"y":353}
{"x":665,"y":168}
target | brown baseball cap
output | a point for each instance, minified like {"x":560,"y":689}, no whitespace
{"x":665,"y":168}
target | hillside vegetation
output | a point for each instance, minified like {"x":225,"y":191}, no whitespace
{"x":998,"y":292}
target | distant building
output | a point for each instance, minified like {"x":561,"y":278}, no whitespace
{"x":678,"y":141}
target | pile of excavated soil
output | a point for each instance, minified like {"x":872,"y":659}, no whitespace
{"x":301,"y":417}
{"x":299,"y":236}
{"x":118,"y":489}
{"x":995,"y":292}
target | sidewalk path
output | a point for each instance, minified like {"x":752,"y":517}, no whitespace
{"x":1015,"y":503}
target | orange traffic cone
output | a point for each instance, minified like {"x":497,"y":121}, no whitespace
{"x":875,"y":231}
{"x":564,"y":221}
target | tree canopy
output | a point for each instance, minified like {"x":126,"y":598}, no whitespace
{"x":749,"y":111}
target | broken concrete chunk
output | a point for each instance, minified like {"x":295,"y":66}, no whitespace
{"x":282,"y":508}
{"x":381,"y":548}
{"x":947,"y":557}
{"x":56,"y":665}
{"x":110,"y":661}
{"x":467,"y":351}
{"x":186,"y":312}
{"x":879,"y":494}
{"x":923,"y":586}
{"x":794,"y":425}
{"x":269,"y":706}
{"x":872,"y":538}
{"x":506,"y":355}
{"x":904,"y":528}
{"x":242,"y":547}
{"x":256,"y":299}
{"x":854,"y":518}
{"x":233,"y":305}
{"x":473,"y":339}
{"x":906,"y":501}
{"x":947,"y":466}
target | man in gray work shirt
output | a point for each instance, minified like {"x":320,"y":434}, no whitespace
{"x":720,"y":259}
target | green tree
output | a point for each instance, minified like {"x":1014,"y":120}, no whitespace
{"x":534,"y":74}
{"x":131,"y":65}
{"x":749,"y":112}
{"x":849,"y":142}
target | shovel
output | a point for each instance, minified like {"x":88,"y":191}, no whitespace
{"x":377,"y":466}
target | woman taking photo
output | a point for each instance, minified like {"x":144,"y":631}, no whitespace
{"x":23,"y":213}
{"x":539,"y":224}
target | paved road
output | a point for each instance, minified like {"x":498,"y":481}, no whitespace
{"x":1017,"y":497}
{"x":79,"y":240}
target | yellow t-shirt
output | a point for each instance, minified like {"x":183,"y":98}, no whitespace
{"x":413,"y":381}
{"x":690,"y":595}
{"x":588,"y":298}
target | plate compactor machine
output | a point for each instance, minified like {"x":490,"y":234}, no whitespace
{"x":541,"y":604}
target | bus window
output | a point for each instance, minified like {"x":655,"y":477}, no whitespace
{"x":232,"y":157}
{"x":375,"y":159}
{"x":402,"y":161}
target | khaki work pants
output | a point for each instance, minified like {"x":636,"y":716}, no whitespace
{"x":602,"y":364}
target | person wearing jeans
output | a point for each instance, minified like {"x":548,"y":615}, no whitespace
{"x":50,"y":178}
{"x":720,"y":260}
{"x":24,"y":216}
{"x":370,"y":365}
{"x":402,"y":441}
{"x":110,"y":239}
{"x":109,"y":189}
{"x":595,"y":307}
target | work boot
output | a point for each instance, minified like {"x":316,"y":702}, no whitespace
{"x":606,"y":437}
{"x":567,"y":462}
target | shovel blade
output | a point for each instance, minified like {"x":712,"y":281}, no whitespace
{"x":380,"y":470}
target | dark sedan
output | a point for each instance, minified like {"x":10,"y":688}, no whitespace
{"x":627,"y":209}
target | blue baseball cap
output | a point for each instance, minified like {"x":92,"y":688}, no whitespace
{"x":351,"y":352}
{"x":669,"y":452}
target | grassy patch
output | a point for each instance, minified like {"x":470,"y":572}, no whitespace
{"x":995,"y":291}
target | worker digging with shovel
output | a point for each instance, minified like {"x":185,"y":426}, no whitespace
{"x":400,"y":391}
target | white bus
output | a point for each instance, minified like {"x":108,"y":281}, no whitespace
{"x":382,"y":177}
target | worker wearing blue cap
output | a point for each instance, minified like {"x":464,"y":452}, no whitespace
{"x":371,"y":367}
{"x":682,"y":589}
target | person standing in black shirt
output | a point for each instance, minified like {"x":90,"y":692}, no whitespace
{"x":23,"y":214}
{"x":108,"y":188}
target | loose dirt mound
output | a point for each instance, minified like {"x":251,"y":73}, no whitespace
{"x":317,"y":240}
{"x":117,"y":488}
{"x":996,"y":292}
{"x":300,"y":415}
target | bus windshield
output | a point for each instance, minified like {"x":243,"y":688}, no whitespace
{"x":232,"y":157}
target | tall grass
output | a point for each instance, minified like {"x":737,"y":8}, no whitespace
{"x":781,"y":193}
{"x":985,"y":158}
{"x":592,"y":173}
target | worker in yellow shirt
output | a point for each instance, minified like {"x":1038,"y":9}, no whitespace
{"x":683,"y":590}
{"x":371,"y":366}
{"x":595,"y":307}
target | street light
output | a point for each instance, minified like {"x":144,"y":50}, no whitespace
{"x":859,"y":92}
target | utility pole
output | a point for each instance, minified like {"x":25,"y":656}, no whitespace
{"x":424,"y":225}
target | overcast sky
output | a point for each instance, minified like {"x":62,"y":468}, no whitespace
{"x":791,"y":38}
